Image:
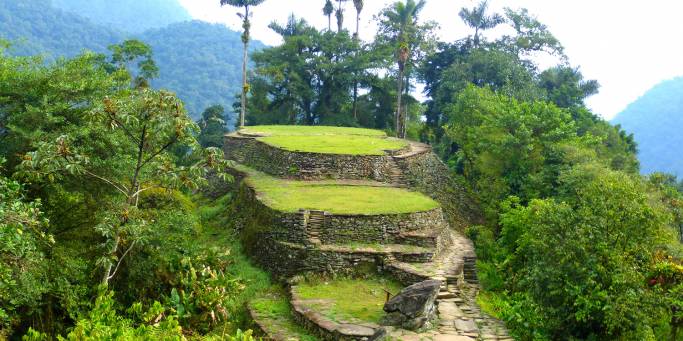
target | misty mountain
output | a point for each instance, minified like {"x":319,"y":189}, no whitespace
{"x":201,"y":62}
{"x":656,"y":120}
{"x":133,"y":16}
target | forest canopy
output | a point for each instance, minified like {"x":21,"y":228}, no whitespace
{"x":117,"y":214}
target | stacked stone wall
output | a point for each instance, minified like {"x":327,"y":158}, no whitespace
{"x":304,"y":165}
{"x":429,"y":175}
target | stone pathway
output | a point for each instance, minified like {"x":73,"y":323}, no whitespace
{"x":460,"y":319}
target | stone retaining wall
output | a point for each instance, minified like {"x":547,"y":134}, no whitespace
{"x":429,"y":175}
{"x":303,"y":165}
{"x":385,"y":229}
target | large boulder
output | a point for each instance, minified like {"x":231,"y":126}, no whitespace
{"x":413,"y":308}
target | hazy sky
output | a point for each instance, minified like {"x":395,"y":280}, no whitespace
{"x":627,"y":45}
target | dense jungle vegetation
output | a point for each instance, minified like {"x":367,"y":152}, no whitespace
{"x":205,"y":71}
{"x":115,"y":209}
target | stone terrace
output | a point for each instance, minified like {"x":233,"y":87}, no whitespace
{"x":410,"y":246}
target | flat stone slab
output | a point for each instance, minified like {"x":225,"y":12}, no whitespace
{"x":356,"y":330}
{"x":442,"y":337}
{"x":467,"y":326}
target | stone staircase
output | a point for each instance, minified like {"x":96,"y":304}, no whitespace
{"x":470,"y":269}
{"x":313,"y":225}
{"x":396,"y":177}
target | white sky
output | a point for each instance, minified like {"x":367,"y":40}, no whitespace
{"x":627,"y":45}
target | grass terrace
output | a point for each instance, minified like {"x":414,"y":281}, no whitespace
{"x":283,"y":130}
{"x":332,"y":298}
{"x":327,"y":140}
{"x":333,"y":197}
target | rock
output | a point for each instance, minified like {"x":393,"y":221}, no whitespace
{"x":380,"y":334}
{"x":413,"y":308}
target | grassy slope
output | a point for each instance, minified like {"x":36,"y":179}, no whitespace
{"x":311,"y":130}
{"x":368,"y":297}
{"x":327,"y":140}
{"x":335,"y":144}
{"x":216,"y":233}
{"x":290,"y":196}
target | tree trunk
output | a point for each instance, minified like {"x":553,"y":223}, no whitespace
{"x":329,"y":22}
{"x":355,"y":80}
{"x":245,"y":41}
{"x":399,"y":118}
{"x":243,"y":111}
{"x":355,"y":100}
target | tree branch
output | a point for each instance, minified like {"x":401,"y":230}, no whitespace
{"x":121,"y":260}
{"x":123,"y":190}
{"x":125,"y":129}
{"x":170,"y":143}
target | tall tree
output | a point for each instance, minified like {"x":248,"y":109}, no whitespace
{"x":340,"y":15}
{"x":328,"y":10}
{"x":358,"y":4}
{"x":212,"y":127}
{"x":140,"y":126}
{"x":479,"y":20}
{"x":400,"y":22}
{"x":246,"y":26}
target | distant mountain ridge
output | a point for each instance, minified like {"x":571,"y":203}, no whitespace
{"x":201,"y":62}
{"x":133,"y":16}
{"x":656,"y":120}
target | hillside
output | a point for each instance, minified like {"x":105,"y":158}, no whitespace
{"x":656,"y":120}
{"x":202,"y":62}
{"x":199,"y":61}
{"x":348,"y":225}
{"x":127,"y":15}
{"x":34,"y":28}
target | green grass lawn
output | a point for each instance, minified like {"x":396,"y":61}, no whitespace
{"x":274,"y":130}
{"x":290,"y":196}
{"x":327,"y":140}
{"x":352,"y":300}
{"x":335,"y":144}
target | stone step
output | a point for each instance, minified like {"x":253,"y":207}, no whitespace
{"x":445,"y":295}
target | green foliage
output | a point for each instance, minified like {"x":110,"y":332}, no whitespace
{"x":583,"y":262}
{"x":127,"y":15}
{"x":103,"y":322}
{"x":131,"y":52}
{"x":36,"y":27}
{"x":205,"y":72}
{"x":509,"y":147}
{"x":23,"y":241}
{"x":212,"y":127}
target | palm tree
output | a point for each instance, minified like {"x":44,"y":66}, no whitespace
{"x":358,"y":4}
{"x":328,"y":10}
{"x":477,"y":19}
{"x":404,"y":17}
{"x":340,"y":16}
{"x":246,"y":25}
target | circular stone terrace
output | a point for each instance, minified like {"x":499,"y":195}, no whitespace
{"x":325,"y":140}
{"x":337,"y":199}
